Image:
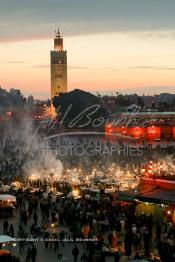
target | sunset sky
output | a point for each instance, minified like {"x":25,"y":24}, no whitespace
{"x":115,"y":45}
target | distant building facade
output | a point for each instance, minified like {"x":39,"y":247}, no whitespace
{"x":142,"y":126}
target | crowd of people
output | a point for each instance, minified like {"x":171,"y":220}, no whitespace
{"x":99,"y":227}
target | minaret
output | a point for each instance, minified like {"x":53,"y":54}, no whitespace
{"x":58,"y":69}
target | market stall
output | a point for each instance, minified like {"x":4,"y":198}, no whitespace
{"x":7,"y":205}
{"x":158,"y":202}
{"x":5,"y":243}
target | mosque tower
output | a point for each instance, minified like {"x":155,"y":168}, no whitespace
{"x":58,"y":61}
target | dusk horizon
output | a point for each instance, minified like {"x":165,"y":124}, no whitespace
{"x":112,"y":47}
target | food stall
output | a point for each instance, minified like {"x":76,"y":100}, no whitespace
{"x":7,"y":205}
{"x":5,"y":243}
{"x":16,"y":186}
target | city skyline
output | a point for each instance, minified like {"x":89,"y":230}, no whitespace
{"x":115,"y":46}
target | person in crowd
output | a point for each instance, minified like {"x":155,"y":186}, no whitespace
{"x":11,"y":230}
{"x":24,"y":217}
{"x":56,"y":242}
{"x":147,"y":239}
{"x":33,"y":253}
{"x":128,"y":242}
{"x":46,"y":237}
{"x":158,"y":232}
{"x":62,"y":236}
{"x":75,"y":253}
{"x":5,"y":227}
{"x":84,"y":258}
{"x":35,"y":217}
{"x":28,"y":255}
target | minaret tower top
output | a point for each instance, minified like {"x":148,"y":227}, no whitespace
{"x":58,"y":41}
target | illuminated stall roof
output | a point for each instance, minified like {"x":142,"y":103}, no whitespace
{"x":124,"y":196}
{"x":5,"y":197}
{"x":4,"y":239}
{"x":149,"y":114}
{"x":158,"y":196}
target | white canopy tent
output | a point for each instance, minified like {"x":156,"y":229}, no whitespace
{"x":6,"y":239}
{"x":8,"y":198}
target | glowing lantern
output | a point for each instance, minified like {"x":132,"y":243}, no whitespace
{"x":169,"y":212}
